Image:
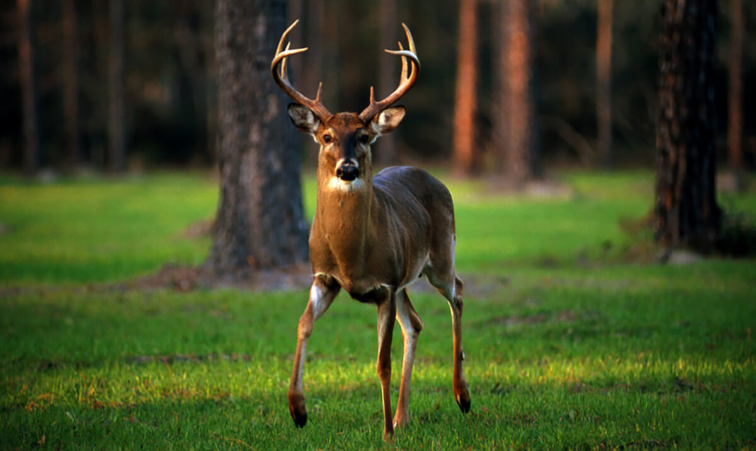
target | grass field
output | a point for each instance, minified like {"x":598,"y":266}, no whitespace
{"x":569,"y":344}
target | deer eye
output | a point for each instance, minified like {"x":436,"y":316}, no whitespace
{"x":364,"y":138}
{"x":327,"y":138}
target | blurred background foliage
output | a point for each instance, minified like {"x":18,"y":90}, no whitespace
{"x":170,"y":79}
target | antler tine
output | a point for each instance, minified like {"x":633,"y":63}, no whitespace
{"x":284,"y":73}
{"x":282,"y":79}
{"x":404,"y":63}
{"x":405,"y":83}
{"x":283,"y":36}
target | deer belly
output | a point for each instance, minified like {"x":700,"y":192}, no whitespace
{"x":374,"y":296}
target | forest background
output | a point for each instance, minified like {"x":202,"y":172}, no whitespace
{"x":168,"y":77}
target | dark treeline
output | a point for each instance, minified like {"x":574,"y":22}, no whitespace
{"x":169,"y":92}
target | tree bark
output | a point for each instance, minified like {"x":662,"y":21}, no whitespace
{"x":28,"y":80}
{"x":604,"y":82}
{"x":385,"y":152}
{"x":260,"y":221}
{"x":116,"y":100}
{"x":466,"y":95}
{"x":735,"y":119}
{"x":514,"y":132}
{"x":686,"y":211}
{"x":71,"y":84}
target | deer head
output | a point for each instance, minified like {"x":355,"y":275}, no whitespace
{"x":345,"y":160}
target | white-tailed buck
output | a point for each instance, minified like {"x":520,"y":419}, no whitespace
{"x":373,"y":236}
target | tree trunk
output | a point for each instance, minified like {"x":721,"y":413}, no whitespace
{"x":28,"y":77}
{"x":466,"y":96}
{"x":116,"y":107}
{"x":71,"y":84}
{"x":260,"y":221}
{"x":735,"y":119}
{"x":604,"y":82}
{"x":515,"y":128}
{"x":388,"y":26}
{"x":686,"y":211}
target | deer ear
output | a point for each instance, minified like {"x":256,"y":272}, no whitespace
{"x":387,"y":120}
{"x":304,"y":119}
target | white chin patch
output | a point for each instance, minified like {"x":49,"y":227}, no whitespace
{"x":336,"y":184}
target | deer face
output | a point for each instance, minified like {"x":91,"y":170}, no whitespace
{"x":345,"y":140}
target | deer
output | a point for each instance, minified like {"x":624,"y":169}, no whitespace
{"x":373,"y":236}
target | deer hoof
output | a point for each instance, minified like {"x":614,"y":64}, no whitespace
{"x":463,"y":400}
{"x":300,"y":420}
{"x":297,"y":410}
{"x":400,"y":422}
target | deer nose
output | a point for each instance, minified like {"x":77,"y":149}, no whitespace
{"x":347,"y":172}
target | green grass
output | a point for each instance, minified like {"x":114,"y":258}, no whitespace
{"x":561,"y":354}
{"x":96,"y":230}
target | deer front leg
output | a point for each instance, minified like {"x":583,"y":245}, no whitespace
{"x":321,"y":297}
{"x":411,"y":325}
{"x":386,"y":313}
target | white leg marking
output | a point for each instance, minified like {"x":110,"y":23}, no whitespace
{"x":318,"y":305}
{"x":404,"y":321}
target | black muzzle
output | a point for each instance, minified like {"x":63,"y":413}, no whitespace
{"x":347,"y":172}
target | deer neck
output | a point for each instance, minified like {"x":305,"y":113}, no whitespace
{"x":343,"y":215}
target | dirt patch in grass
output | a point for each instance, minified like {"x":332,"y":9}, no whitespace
{"x":188,"y":278}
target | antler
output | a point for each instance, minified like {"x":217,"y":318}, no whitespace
{"x":406,"y":81}
{"x":282,"y":78}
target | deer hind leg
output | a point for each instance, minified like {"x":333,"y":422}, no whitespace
{"x":386,"y":314}
{"x":411,"y":325}
{"x":451,"y":287}
{"x":321,"y":297}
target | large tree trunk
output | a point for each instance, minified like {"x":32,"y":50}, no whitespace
{"x":116,"y":101}
{"x":70,"y":84}
{"x":604,"y":81}
{"x":686,"y":211}
{"x":735,"y":119}
{"x":514,"y":131}
{"x":388,"y":26}
{"x":466,"y":98}
{"x":27,"y":78}
{"x":260,"y":222}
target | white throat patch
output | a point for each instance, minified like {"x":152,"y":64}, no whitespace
{"x":336,"y":184}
